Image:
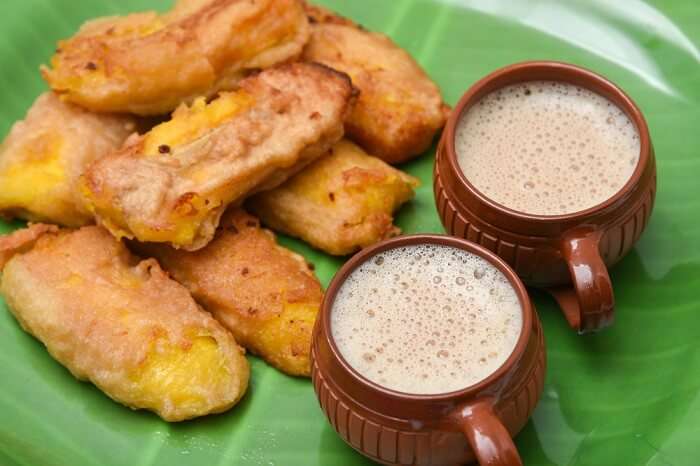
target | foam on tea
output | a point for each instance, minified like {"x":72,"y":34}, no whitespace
{"x":426,"y":319}
{"x":547,"y":147}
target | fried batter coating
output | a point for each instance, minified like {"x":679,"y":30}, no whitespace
{"x":122,"y":324}
{"x":400,"y":108}
{"x":149,"y":64}
{"x":340,"y":203}
{"x":172,"y":184}
{"x":264,"y":294}
{"x":44,"y":155}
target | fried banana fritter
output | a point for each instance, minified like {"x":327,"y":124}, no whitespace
{"x":172,"y":184}
{"x":264,"y":294}
{"x":122,"y":324}
{"x":339,"y":204}
{"x":400,"y":108}
{"x":149,"y":64}
{"x":44,"y":155}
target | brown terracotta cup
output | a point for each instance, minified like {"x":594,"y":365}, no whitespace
{"x":394,"y":428}
{"x":568,"y":255}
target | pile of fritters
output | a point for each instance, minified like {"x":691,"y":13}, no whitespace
{"x":146,"y":274}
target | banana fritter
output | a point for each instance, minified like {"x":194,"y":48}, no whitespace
{"x":172,"y":184}
{"x":44,"y":155}
{"x":264,"y":294}
{"x":400,"y":108}
{"x":339,"y":204}
{"x":149,"y":64}
{"x":122,"y":324}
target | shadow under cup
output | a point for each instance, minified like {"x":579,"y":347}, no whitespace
{"x":391,"y":427}
{"x":568,"y":254}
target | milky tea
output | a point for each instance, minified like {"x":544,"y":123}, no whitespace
{"x":426,"y":319}
{"x":547,"y":147}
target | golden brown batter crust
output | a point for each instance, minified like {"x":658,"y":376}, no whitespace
{"x":122,"y":324}
{"x":400,"y":108}
{"x":266,"y":295}
{"x":149,"y":64}
{"x":175,"y":192}
{"x":340,"y":203}
{"x":44,"y":155}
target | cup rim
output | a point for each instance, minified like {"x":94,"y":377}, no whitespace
{"x":621,"y":99}
{"x":434,"y":239}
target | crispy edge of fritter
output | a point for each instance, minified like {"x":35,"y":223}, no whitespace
{"x":22,"y":240}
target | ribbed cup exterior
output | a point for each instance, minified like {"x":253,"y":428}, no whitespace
{"x":395,"y":440}
{"x":537,"y":259}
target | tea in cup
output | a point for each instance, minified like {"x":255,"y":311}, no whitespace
{"x":551,"y":167}
{"x":428,"y":351}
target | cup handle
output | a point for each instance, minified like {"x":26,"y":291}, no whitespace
{"x":486,"y":434}
{"x":590,"y":304}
